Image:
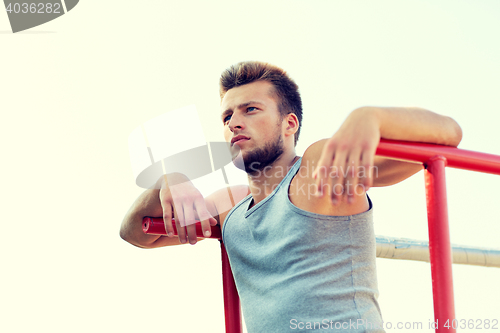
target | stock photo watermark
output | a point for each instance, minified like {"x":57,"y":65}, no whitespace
{"x":326,"y":324}
{"x":345,"y":174}
{"x":24,"y":15}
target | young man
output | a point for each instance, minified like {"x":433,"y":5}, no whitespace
{"x":300,"y":237}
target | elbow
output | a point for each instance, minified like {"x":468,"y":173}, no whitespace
{"x":126,"y":237}
{"x":456,"y":137}
{"x":450,"y":133}
{"x":123,"y":234}
{"x":126,"y":234}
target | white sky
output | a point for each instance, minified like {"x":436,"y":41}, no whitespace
{"x":72,"y":90}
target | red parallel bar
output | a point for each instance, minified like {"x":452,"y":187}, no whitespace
{"x":232,"y":310}
{"x":455,"y":157}
{"x":439,"y":244}
{"x":155,"y":226}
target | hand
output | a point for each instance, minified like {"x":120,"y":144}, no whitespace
{"x":180,"y":198}
{"x":346,"y":162}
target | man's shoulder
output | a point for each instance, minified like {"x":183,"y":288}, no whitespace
{"x":310,"y":160}
{"x":302,"y":190}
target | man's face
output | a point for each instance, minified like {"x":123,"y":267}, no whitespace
{"x":252,"y":124}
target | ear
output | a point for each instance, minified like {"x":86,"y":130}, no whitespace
{"x":292,"y":124}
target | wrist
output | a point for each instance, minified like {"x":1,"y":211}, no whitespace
{"x":371,"y":114}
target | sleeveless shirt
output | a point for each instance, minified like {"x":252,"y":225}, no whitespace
{"x":297,"y":271}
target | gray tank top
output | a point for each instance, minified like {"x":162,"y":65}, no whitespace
{"x":298,"y":271}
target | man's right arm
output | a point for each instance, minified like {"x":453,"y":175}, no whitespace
{"x":159,"y":202}
{"x":152,"y":203}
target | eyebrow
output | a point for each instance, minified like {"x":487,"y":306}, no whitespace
{"x":241,"y":106}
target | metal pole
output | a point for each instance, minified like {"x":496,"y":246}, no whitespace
{"x":232,"y":312}
{"x":455,"y":157}
{"x":439,"y":245}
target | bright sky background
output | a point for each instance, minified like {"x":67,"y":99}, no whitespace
{"x":72,"y":90}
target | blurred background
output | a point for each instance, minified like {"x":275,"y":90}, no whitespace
{"x":73,"y":89}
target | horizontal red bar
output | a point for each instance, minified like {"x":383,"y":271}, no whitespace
{"x":455,"y":157}
{"x":155,"y":226}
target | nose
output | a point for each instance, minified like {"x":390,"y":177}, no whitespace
{"x":236,"y":122}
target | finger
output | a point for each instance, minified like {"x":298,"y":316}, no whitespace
{"x":367,"y":161}
{"x":351,"y":173}
{"x":167,"y":207}
{"x":323,"y":167}
{"x":321,"y":176}
{"x":167,"y":218}
{"x":337,"y":177}
{"x":204,"y":217}
{"x":181,"y":232}
{"x":167,"y":210}
{"x":190,"y":223}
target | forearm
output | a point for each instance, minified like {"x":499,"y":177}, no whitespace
{"x":413,"y":124}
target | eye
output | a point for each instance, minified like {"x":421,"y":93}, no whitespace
{"x":226,"y":119}
{"x":251,"y":108}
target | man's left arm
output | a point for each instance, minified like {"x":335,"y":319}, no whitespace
{"x":351,"y":150}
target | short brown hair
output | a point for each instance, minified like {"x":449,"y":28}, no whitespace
{"x":251,"y":71}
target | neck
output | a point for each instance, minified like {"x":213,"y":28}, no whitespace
{"x":264,"y":182}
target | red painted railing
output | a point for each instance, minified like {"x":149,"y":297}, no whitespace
{"x":434,"y":158}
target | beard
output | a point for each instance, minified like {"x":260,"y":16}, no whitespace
{"x":256,"y":160}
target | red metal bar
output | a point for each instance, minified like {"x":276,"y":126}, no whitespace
{"x":155,"y":226}
{"x":439,"y":244}
{"x":232,"y":309}
{"x":456,"y":158}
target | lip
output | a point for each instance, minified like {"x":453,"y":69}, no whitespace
{"x":239,"y":139}
{"x":240,"y":142}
